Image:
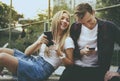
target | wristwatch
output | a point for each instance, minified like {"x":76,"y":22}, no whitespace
{"x":63,"y":56}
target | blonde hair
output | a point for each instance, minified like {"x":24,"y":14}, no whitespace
{"x":55,"y":28}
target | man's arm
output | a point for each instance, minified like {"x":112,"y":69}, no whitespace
{"x":75,"y":33}
{"x":109,"y":75}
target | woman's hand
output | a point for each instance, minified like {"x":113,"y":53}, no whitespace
{"x":43,"y":39}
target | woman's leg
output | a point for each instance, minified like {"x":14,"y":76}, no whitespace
{"x":9,"y":61}
{"x":7,"y":50}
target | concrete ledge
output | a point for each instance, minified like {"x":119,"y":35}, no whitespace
{"x":11,"y":78}
{"x":53,"y":78}
{"x":7,"y":78}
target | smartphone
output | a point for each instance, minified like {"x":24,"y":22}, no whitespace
{"x":91,"y":48}
{"x":49,"y":37}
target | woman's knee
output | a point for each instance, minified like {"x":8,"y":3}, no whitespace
{"x":6,"y":50}
{"x":2,"y":57}
{"x":8,"y":61}
{"x":1,"y":50}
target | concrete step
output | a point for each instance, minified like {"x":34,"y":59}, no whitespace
{"x":53,"y":78}
{"x":11,"y":78}
{"x":7,"y":78}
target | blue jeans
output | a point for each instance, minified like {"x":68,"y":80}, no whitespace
{"x":31,"y":68}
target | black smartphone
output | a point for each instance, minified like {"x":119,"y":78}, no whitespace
{"x":91,"y":48}
{"x":49,"y":37}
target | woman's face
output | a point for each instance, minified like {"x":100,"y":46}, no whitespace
{"x":64,"y":22}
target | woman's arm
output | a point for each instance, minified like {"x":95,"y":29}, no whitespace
{"x":32,"y":48}
{"x":36,"y":45}
{"x":68,"y":60}
{"x":68,"y":52}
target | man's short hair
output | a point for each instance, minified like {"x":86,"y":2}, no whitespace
{"x":81,"y":10}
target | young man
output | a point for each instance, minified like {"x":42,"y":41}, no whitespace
{"x":94,"y":44}
{"x":112,"y":76}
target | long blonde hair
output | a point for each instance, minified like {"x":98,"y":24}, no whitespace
{"x":55,"y":28}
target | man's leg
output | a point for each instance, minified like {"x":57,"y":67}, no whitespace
{"x":66,"y":75}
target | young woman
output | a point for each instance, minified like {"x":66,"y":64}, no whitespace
{"x":29,"y":68}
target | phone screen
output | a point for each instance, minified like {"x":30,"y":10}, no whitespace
{"x":91,"y":48}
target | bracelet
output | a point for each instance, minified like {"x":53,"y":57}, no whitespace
{"x":63,"y":56}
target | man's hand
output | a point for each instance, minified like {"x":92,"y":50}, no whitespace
{"x":86,"y":51}
{"x":110,"y":74}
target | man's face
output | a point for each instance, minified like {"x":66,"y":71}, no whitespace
{"x":88,"y":20}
